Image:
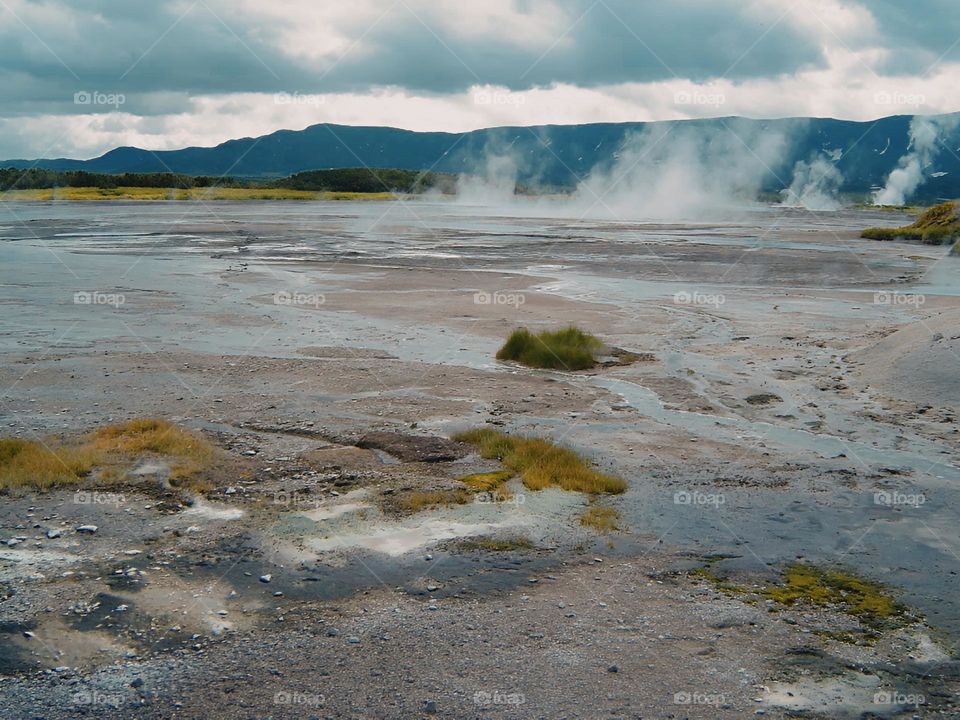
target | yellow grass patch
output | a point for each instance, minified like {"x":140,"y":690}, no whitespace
{"x":541,"y":464}
{"x":26,"y":463}
{"x":601,"y":519}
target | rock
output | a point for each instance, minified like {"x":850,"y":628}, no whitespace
{"x":613,"y":669}
{"x":413,"y":448}
{"x":353,"y":640}
{"x":12,"y":541}
{"x":136,"y":683}
{"x":266,"y":578}
{"x":54,"y":533}
{"x":87,"y":529}
{"x":332,"y":632}
{"x":763,"y":399}
{"x":430,"y":707}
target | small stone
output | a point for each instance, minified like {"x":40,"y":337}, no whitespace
{"x":87,"y":529}
{"x":353,"y":640}
{"x":430,"y":707}
{"x":278,"y":593}
{"x":54,"y":533}
{"x":332,"y":632}
{"x":613,"y":669}
{"x":266,"y":578}
{"x":136,"y":683}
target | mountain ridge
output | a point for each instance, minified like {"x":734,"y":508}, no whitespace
{"x":554,"y":154}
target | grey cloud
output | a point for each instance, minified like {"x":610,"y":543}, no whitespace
{"x":142,"y":49}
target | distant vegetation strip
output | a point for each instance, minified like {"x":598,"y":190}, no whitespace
{"x":349,"y":180}
{"x":81,"y":194}
{"x":938,"y":225}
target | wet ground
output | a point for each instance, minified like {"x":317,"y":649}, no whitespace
{"x":779,"y":419}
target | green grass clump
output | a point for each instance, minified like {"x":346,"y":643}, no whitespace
{"x":601,"y":519}
{"x":541,"y":464}
{"x":938,"y":225}
{"x":567,"y":349}
{"x":866,"y":600}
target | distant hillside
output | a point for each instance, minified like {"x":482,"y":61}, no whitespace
{"x":554,"y":155}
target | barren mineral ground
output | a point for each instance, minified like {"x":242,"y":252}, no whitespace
{"x":787,"y":545}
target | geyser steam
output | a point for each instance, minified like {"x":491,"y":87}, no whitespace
{"x":909,"y":173}
{"x":815,"y":185}
{"x":675,"y":172}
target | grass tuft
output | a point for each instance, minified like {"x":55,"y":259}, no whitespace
{"x":24,"y":463}
{"x":418,"y":500}
{"x":28,"y":464}
{"x":486,"y":481}
{"x":541,"y":464}
{"x":937,"y":226}
{"x":567,"y":349}
{"x":602,"y":519}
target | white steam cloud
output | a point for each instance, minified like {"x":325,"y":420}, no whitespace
{"x":909,"y":173}
{"x":673,"y":173}
{"x":815,"y":185}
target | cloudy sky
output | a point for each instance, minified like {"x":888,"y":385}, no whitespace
{"x":83,"y":76}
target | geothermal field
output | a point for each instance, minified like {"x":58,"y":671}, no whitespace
{"x":306,"y":487}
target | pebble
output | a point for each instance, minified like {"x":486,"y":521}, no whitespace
{"x":613,"y":669}
{"x":88,"y":529}
{"x":353,"y":640}
{"x":54,"y":533}
{"x":266,"y":578}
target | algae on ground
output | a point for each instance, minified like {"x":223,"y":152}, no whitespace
{"x":865,"y":600}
